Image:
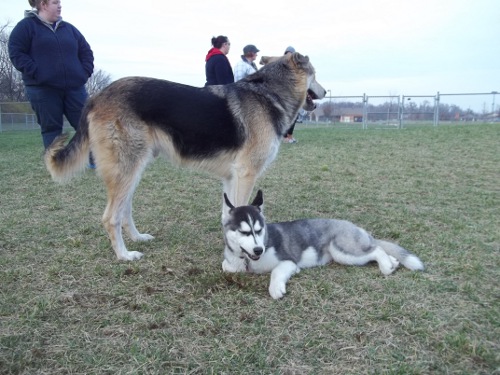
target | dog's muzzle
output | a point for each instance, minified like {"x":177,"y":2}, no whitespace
{"x":257,"y":252}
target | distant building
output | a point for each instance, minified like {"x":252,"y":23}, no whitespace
{"x":345,"y":115}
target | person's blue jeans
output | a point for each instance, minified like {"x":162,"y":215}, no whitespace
{"x":50,"y":104}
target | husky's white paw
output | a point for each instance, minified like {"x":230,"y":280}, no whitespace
{"x":235,"y":266}
{"x":277,"y":289}
{"x":131,"y":255}
{"x":394,"y":261}
{"x":142,"y":237}
{"x":389,"y":265}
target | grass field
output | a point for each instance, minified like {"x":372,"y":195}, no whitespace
{"x":68,"y":307}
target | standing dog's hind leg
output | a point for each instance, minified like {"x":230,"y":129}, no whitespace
{"x":130,"y":227}
{"x":112,"y":221}
{"x":118,"y":209}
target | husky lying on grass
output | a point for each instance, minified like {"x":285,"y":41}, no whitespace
{"x":284,"y":248}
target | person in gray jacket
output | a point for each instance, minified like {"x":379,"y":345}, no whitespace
{"x":246,"y":65}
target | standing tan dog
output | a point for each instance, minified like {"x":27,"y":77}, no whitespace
{"x":232,"y":131}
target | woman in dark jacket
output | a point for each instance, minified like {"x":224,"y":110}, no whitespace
{"x":55,"y":61}
{"x":217,"y":67}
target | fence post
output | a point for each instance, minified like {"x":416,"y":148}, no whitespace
{"x":436,"y":109}
{"x":402,"y":111}
{"x":399,"y":111}
{"x":365,"y":111}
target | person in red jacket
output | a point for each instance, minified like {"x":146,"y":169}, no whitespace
{"x":217,"y":67}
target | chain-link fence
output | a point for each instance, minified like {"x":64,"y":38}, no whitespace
{"x":363,"y":111}
{"x":18,"y":116}
{"x":398,"y":111}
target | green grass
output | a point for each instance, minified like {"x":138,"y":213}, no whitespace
{"x":68,"y":307}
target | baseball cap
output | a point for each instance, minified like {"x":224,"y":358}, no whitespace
{"x":250,"y":48}
{"x":289,"y":49}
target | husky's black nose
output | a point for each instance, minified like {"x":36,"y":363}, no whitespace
{"x":258,"y":250}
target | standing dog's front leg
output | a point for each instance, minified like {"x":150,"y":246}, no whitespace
{"x":239,"y":186}
{"x":279,"y":277}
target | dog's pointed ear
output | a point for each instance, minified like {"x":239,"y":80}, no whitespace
{"x":227,"y":206}
{"x":268,"y":59}
{"x":258,"y":201}
{"x":228,"y":202}
{"x":299,"y":60}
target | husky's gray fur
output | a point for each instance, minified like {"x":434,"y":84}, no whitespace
{"x":284,"y":248}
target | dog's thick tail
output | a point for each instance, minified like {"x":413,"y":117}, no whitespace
{"x":405,"y":257}
{"x":65,"y":161}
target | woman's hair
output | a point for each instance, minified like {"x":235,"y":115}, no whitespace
{"x":216,"y":42}
{"x":36,"y":3}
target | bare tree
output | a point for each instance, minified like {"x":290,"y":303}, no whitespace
{"x":11,"y":84}
{"x":99,"y":80}
{"x":4,"y":53}
{"x":327,"y":109}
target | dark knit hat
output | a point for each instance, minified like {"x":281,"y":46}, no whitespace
{"x":250,"y":48}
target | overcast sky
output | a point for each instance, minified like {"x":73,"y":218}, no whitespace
{"x":377,"y":47}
